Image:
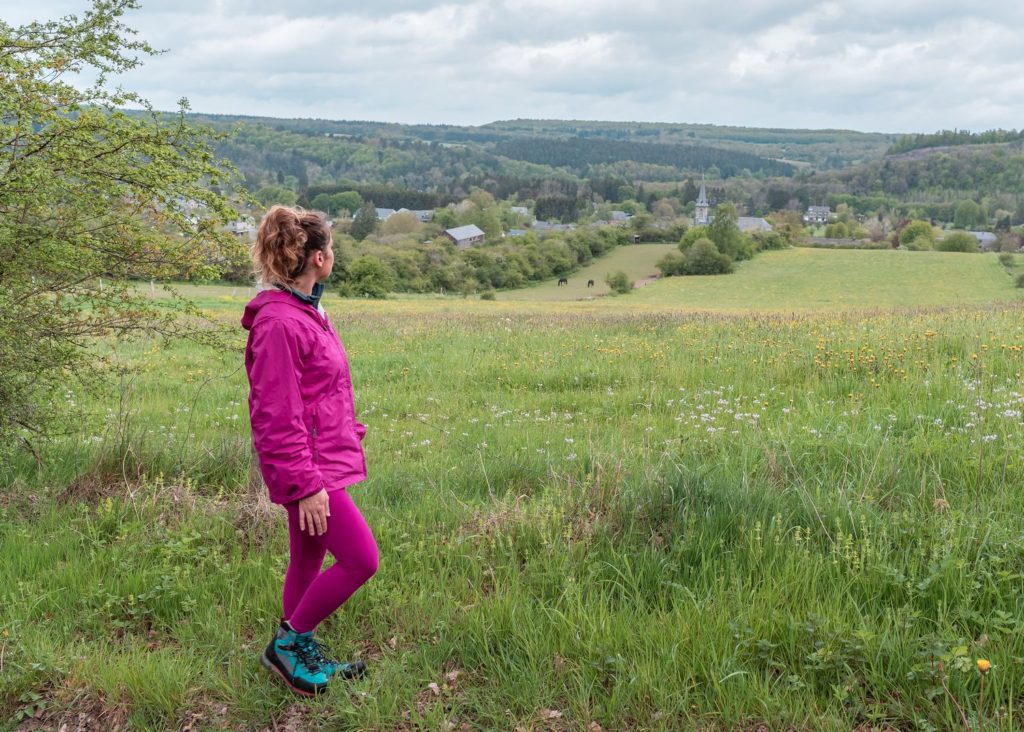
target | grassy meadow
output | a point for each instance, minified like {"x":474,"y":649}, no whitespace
{"x":607,"y":515}
{"x":637,"y":261}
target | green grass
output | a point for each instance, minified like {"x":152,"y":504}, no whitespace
{"x":637,"y":261}
{"x":814,"y":279}
{"x":614,"y":511}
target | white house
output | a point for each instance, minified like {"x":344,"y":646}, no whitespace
{"x":817,"y":214}
{"x":422,"y":215}
{"x":242,"y":227}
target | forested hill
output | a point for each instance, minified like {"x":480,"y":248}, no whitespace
{"x":299,"y":154}
{"x":422,"y":166}
{"x":953,"y":138}
{"x":819,"y":148}
{"x":581,"y":155}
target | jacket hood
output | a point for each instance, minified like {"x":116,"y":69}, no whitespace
{"x":270,"y":297}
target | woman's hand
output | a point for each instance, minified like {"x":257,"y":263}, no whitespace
{"x":313,"y":513}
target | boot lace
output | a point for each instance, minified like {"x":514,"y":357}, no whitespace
{"x":323,"y":654}
{"x":307,"y":653}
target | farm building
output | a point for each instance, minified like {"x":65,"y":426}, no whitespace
{"x":465,"y":236}
{"x":751,"y":224}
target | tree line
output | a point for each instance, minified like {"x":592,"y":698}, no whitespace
{"x":580,"y":154}
{"x":951,"y":138}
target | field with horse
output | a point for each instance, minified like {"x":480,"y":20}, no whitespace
{"x":624,"y":513}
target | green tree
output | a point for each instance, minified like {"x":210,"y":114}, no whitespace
{"x":401,"y":223}
{"x":335,"y":203}
{"x":967,"y":215}
{"x":692,"y":235}
{"x":917,"y":235}
{"x":270,"y":195}
{"x":836,"y":231}
{"x":725,"y":233}
{"x":673,"y":263}
{"x":369,"y":277}
{"x":958,"y":241}
{"x":446,"y":218}
{"x":90,"y":197}
{"x":365,"y":221}
{"x":703,"y":258}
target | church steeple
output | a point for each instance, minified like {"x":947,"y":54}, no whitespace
{"x":701,"y":217}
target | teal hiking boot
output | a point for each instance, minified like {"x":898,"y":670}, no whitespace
{"x":294,"y":657}
{"x":347,"y":670}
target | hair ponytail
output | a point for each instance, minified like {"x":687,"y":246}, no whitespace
{"x":285,"y":239}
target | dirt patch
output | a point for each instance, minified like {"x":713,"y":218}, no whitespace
{"x":74,"y":711}
{"x":646,"y":281}
{"x":493,"y":519}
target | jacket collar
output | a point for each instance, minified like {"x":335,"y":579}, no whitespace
{"x":311,"y":299}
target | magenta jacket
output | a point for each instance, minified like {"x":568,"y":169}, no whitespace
{"x":301,"y":406}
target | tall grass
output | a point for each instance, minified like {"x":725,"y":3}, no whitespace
{"x":651,"y":521}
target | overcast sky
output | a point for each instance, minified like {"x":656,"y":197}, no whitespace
{"x":872,"y":65}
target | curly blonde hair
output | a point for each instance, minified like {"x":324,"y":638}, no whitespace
{"x":285,"y":239}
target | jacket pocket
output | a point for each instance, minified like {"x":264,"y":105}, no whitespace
{"x":314,"y":434}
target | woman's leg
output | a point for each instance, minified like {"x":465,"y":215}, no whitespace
{"x":306,"y":557}
{"x":351,"y":543}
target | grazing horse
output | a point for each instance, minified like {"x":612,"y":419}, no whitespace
{"x":590,"y":283}
{"x":563,"y":281}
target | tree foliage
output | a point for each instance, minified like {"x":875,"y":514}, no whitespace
{"x":619,"y":282}
{"x":704,"y":258}
{"x":725,"y":233}
{"x":90,"y":198}
{"x":958,"y":241}
{"x":365,"y":221}
{"x":949,"y":138}
{"x":580,"y":154}
{"x":968,"y":214}
{"x":917,"y":235}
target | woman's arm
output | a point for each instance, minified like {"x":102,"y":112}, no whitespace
{"x":279,"y":430}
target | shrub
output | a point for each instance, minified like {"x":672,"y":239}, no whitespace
{"x":692,"y":235}
{"x":369,"y":276}
{"x":672,"y":264}
{"x":703,"y":258}
{"x":958,"y":241}
{"x":1020,"y":280}
{"x":917,"y":236}
{"x":619,"y":282}
{"x":836,"y":231}
{"x":488,"y":295}
{"x":1006,"y":259}
{"x":769,"y":240}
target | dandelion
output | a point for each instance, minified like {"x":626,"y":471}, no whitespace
{"x":984,"y":665}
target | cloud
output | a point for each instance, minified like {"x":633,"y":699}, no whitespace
{"x":891,"y":65}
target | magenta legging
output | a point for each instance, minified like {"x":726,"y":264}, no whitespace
{"x":311,"y":595}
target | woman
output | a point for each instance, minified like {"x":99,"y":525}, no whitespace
{"x":307,"y":439}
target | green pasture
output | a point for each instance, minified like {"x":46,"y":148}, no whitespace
{"x":793,"y":280}
{"x":815,"y":279}
{"x":613,"y":514}
{"x":637,"y":261}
